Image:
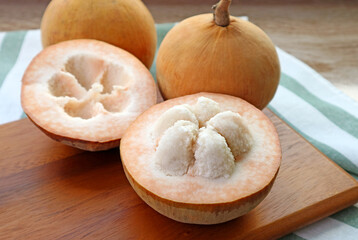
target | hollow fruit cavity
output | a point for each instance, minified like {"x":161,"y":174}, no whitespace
{"x":85,"y":110}
{"x":114,"y":76}
{"x":63,"y":84}
{"x":85,"y":68}
{"x":209,"y":152}
{"x":93,"y":85}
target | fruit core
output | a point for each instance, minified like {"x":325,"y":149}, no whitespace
{"x":200,"y":140}
{"x":88,"y":85}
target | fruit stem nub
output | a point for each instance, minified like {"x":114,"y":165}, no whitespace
{"x":221,"y":13}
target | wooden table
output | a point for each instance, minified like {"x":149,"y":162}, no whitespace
{"x":322,"y":33}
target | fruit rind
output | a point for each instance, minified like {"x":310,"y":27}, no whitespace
{"x":198,"y":56}
{"x":197,"y":199}
{"x":94,"y":116}
{"x":205,"y":214}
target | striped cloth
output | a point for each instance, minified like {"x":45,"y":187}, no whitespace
{"x":305,"y":100}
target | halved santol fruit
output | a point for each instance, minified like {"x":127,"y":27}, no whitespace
{"x":202,"y":167}
{"x":85,"y":93}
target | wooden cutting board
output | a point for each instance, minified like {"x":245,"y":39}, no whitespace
{"x":48,"y":190}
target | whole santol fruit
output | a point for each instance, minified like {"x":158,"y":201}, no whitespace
{"x":124,"y":23}
{"x":205,"y":158}
{"x":85,"y":93}
{"x":221,"y":54}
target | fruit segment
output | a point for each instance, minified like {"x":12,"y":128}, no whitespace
{"x":180,"y":112}
{"x":176,"y":161}
{"x":210,"y":152}
{"x":205,"y":109}
{"x":213,"y":157}
{"x":231,"y":126}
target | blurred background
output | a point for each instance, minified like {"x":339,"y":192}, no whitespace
{"x":322,"y":33}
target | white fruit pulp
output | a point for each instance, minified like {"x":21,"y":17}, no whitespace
{"x":200,"y":140}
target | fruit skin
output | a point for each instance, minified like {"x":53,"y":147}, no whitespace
{"x":78,"y":143}
{"x":199,"y":56}
{"x":188,"y":212}
{"x":124,"y":23}
{"x":205,"y":214}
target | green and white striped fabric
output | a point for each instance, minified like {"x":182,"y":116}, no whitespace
{"x":305,"y":100}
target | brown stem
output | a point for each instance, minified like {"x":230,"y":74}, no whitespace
{"x":221,"y":13}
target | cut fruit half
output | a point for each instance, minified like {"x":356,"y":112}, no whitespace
{"x":205,"y":158}
{"x":85,"y":93}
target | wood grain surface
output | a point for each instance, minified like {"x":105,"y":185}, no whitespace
{"x":322,"y":33}
{"x":49,"y":191}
